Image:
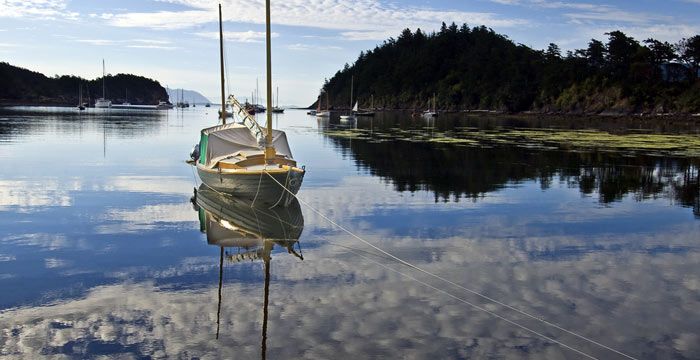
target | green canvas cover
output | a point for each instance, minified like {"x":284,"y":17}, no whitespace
{"x":203,"y":142}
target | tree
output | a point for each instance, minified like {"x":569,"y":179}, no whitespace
{"x":620,"y":50}
{"x":661,"y":52}
{"x":596,"y":53}
{"x":553,"y":52}
{"x":689,"y":53}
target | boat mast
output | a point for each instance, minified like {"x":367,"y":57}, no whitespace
{"x":103,"y":78}
{"x":352,"y":85}
{"x":221,"y":60}
{"x":269,"y":150}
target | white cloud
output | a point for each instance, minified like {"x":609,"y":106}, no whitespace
{"x":238,"y":36}
{"x":41,"y":9}
{"x":135,"y":43}
{"x":372,"y":17}
{"x":171,"y":185}
{"x":26,"y":196}
{"x":307,"y":47}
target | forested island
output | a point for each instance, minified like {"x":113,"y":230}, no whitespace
{"x":25,"y":87}
{"x":477,"y":69}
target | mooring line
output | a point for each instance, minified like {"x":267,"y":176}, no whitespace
{"x":415,"y":267}
{"x":473,"y":305}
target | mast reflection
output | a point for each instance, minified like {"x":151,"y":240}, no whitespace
{"x":244,"y":232}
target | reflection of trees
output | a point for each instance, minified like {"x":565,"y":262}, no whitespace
{"x":457,"y":172}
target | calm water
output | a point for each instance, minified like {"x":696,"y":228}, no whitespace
{"x":103,"y":251}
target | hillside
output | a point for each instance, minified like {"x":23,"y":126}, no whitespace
{"x":189,"y":96}
{"x":476,"y":68}
{"x":22,"y":86}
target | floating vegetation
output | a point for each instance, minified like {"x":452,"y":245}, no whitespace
{"x":570,"y":140}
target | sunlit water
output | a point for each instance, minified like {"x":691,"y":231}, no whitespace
{"x":102,"y":251}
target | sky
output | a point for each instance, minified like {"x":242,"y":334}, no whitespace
{"x":176,"y":41}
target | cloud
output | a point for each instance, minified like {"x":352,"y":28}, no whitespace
{"x":372,"y":17}
{"x":148,"y":217}
{"x":238,"y":36}
{"x":40,"y":9}
{"x":27,"y":196}
{"x":337,"y":303}
{"x":169,"y":185}
{"x":135,"y":43}
{"x":307,"y":47}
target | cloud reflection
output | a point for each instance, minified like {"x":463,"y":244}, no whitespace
{"x":335,"y":304}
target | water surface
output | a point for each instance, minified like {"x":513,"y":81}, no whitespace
{"x":104,"y":251}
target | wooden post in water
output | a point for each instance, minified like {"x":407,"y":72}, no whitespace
{"x":221,"y":60}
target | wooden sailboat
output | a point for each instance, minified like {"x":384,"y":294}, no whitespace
{"x":324,"y":113}
{"x":243,"y":159}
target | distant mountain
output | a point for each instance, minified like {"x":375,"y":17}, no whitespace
{"x":188,"y":95}
{"x":26,"y":87}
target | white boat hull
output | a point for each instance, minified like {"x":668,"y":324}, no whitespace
{"x":254,"y":186}
{"x":103,"y":104}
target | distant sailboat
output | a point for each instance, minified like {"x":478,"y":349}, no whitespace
{"x":126,"y":97}
{"x":277,"y":108}
{"x":103,"y":103}
{"x":354,"y":109}
{"x":80,"y":106}
{"x":324,"y":113}
{"x":369,"y":112}
{"x":431,"y":112}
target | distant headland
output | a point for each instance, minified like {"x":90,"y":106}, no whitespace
{"x":26,"y":87}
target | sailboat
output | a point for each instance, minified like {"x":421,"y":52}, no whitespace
{"x":126,"y":97}
{"x":352,"y":115}
{"x":354,"y":109}
{"x":244,"y":159}
{"x":102,"y":102}
{"x":431,"y":112}
{"x":80,"y":106}
{"x":277,"y":109}
{"x":313,"y":112}
{"x":324,"y":113}
{"x":369,"y":112}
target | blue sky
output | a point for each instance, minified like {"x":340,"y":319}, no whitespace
{"x":175,"y":42}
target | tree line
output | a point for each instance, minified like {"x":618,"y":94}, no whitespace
{"x":22,"y":86}
{"x":476,"y":68}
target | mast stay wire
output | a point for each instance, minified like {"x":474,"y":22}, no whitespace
{"x":474,"y":292}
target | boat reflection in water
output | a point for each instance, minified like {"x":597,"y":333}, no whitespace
{"x":244,"y":232}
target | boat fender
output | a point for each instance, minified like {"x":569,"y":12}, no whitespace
{"x":194,"y":154}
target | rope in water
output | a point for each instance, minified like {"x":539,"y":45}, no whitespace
{"x":415,"y":267}
{"x":471,"y":304}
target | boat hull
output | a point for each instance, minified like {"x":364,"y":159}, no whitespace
{"x":254,"y":186}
